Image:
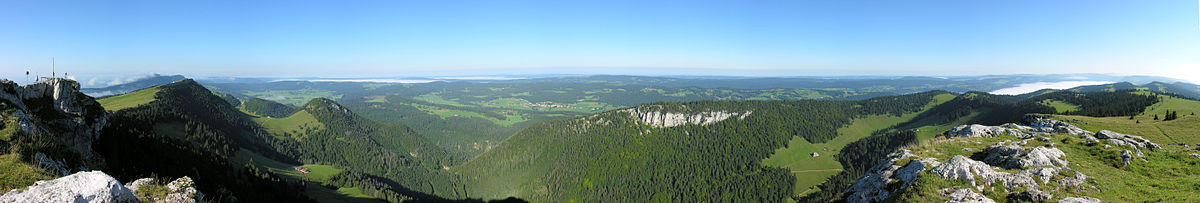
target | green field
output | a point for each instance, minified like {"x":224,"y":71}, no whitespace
{"x":1060,"y":106}
{"x":812,"y":171}
{"x":317,"y":175}
{"x":129,"y":100}
{"x":1169,"y":103}
{"x":294,"y":97}
{"x":294,"y":124}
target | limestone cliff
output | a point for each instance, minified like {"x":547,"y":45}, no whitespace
{"x":52,"y":112}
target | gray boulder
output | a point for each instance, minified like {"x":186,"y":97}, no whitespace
{"x":1012,"y":156}
{"x":1126,"y":156}
{"x":963,"y":168}
{"x":1079,"y":200}
{"x":94,"y":186}
{"x":963,"y":195}
{"x":1132,"y":141}
{"x":1053,"y":126}
{"x":1030,"y":196}
{"x":183,"y":190}
{"x":133,"y":186}
{"x":976,"y":130}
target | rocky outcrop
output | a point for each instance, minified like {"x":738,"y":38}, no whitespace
{"x":963,"y":195}
{"x":1079,"y":200}
{"x":1030,"y":196}
{"x":1136,"y":142}
{"x":55,"y":107}
{"x":94,"y":186}
{"x":1126,"y":156}
{"x":874,"y":185}
{"x":133,"y":186}
{"x":182,"y":190}
{"x":1042,"y":124}
{"x":1036,"y":126}
{"x":1012,"y":156}
{"x":963,"y":168}
{"x":664,"y":119}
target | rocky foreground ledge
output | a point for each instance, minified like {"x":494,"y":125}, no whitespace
{"x":1025,"y":168}
{"x":96,"y":186}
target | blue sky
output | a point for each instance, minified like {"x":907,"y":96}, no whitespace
{"x":421,"y":38}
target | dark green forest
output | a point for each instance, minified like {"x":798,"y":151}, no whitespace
{"x":263,"y":107}
{"x":613,"y":157}
{"x":188,"y":131}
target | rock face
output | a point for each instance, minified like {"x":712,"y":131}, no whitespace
{"x":94,"y":186}
{"x":55,"y":107}
{"x":662,"y":119}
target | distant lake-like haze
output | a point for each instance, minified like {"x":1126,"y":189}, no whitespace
{"x":1030,"y":87}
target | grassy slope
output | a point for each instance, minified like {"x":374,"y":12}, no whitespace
{"x":129,"y":100}
{"x":294,"y":124}
{"x":1060,"y":106}
{"x":812,"y":171}
{"x":15,"y":173}
{"x":1175,"y":131}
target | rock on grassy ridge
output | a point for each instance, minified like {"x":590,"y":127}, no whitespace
{"x":96,"y":186}
{"x":1022,"y":169}
{"x":1035,"y":126}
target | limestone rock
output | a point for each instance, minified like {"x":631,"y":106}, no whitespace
{"x":872,"y":187}
{"x":1126,"y":155}
{"x":1132,"y":141}
{"x":1030,"y":196}
{"x":94,"y":186}
{"x":182,"y":190}
{"x":55,"y":107}
{"x":1079,"y":200}
{"x":662,"y":119}
{"x":1012,"y":156}
{"x":1088,"y":139}
{"x":133,"y":186}
{"x":1036,"y":127}
{"x":1041,"y":124}
{"x":963,"y":195}
{"x":960,"y":167}
{"x":976,"y":130}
